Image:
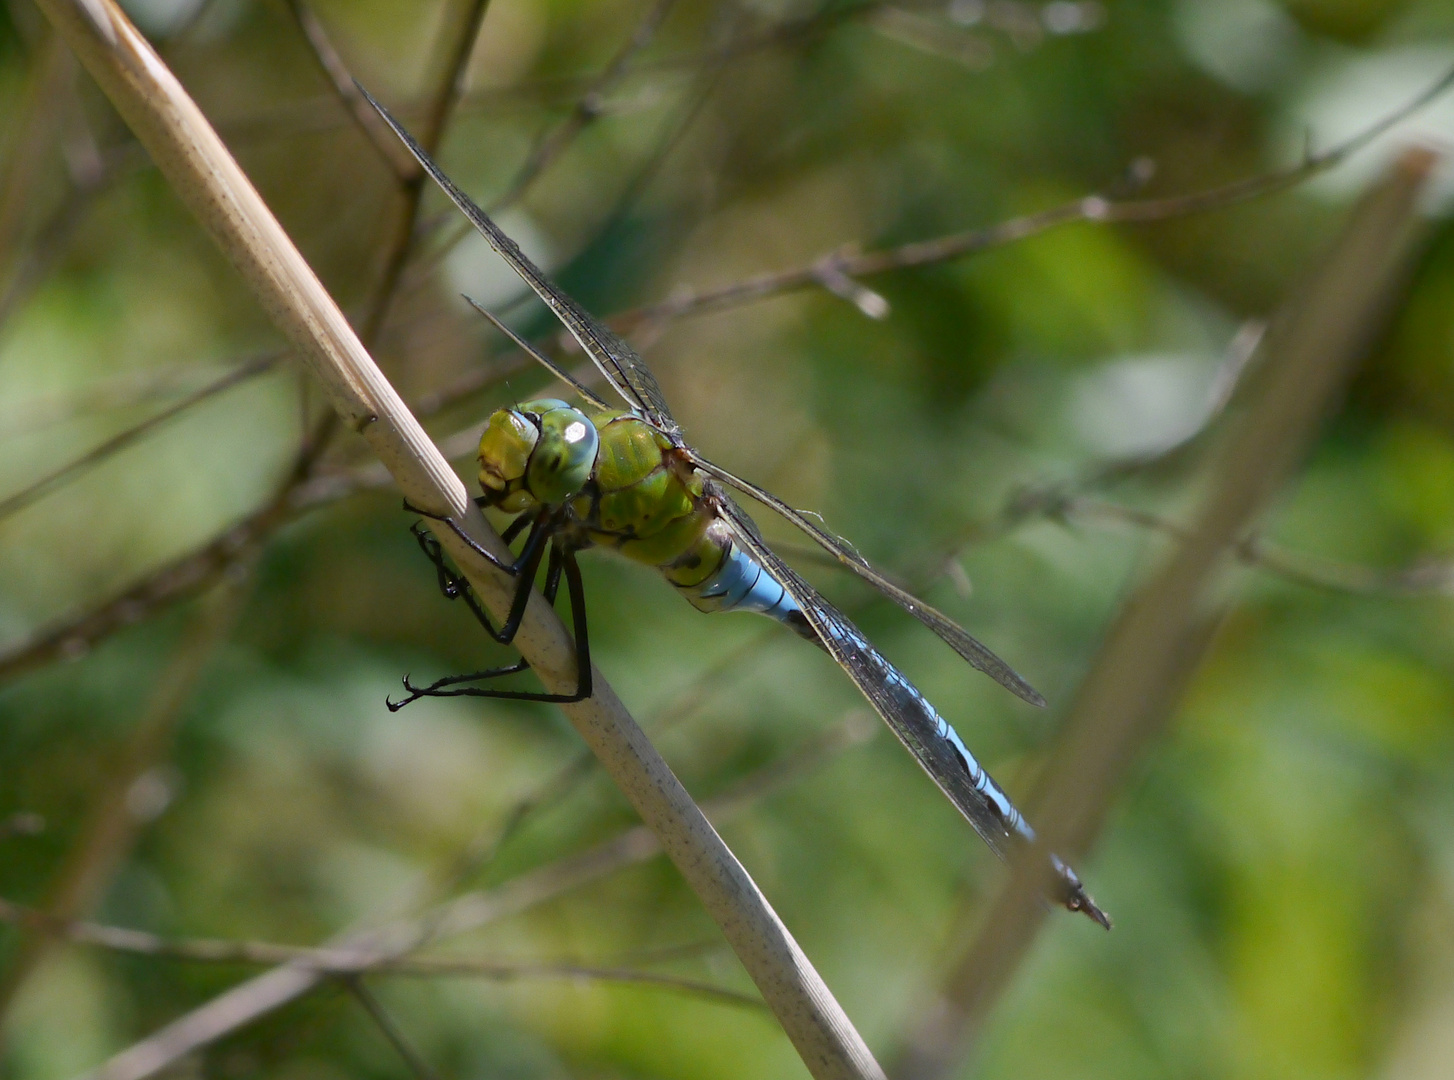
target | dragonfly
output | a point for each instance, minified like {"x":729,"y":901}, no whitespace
{"x":626,"y":478}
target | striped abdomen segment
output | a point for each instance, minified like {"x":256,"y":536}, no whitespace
{"x":740,"y":584}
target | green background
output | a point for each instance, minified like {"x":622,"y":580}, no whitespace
{"x":1280,"y":864}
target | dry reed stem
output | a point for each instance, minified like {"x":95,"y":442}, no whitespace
{"x":1159,"y":637}
{"x":200,"y":169}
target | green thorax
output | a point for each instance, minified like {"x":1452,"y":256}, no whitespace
{"x":638,"y":504}
{"x":617,"y":484}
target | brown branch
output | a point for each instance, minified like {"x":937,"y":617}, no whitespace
{"x":459,"y":46}
{"x":348,"y":962}
{"x":1155,"y":643}
{"x":400,"y":162}
{"x":1092,"y":208}
{"x":126,"y":390}
{"x":343,"y":961}
{"x":390,"y":1029}
{"x":837,"y":270}
{"x":73,"y":636}
{"x":1426,"y":576}
{"x":587,"y":108}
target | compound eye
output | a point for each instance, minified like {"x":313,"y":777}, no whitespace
{"x":565,"y":455}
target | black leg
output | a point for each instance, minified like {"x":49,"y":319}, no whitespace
{"x":451,"y":686}
{"x":437,"y":687}
{"x":451,"y":584}
{"x":455,"y":587}
{"x":494,"y":560}
{"x":530,"y":555}
{"x":513,"y":529}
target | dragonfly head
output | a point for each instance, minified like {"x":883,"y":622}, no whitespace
{"x":538,"y":451}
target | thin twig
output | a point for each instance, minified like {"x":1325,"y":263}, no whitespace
{"x":400,"y":246}
{"x":1092,"y":208}
{"x":350,"y":962}
{"x":587,"y":107}
{"x":263,"y":994}
{"x":1160,"y":635}
{"x":75,"y":468}
{"x":390,"y":1028}
{"x":584,"y":111}
{"x":846,"y":263}
{"x":1425,"y":577}
{"x":405,"y":168}
{"x":127,"y":390}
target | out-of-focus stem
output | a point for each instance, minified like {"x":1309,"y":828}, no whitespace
{"x":1157,"y":640}
{"x":114,"y":818}
{"x":34,"y":131}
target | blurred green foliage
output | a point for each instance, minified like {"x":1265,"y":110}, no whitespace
{"x":1281,"y":868}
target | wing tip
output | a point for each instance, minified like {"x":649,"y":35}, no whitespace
{"x":1028,"y":693}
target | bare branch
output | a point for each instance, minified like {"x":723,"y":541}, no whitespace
{"x":1161,"y":634}
{"x":390,"y":1029}
{"x":76,"y":468}
{"x":350,"y":963}
{"x":1095,"y":208}
{"x":1427,"y":576}
{"x":587,"y":107}
{"x":404,"y":167}
{"x":73,"y":636}
{"x":400,"y":245}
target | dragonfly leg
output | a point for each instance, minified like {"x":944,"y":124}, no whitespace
{"x":511,"y":568}
{"x":455,"y":587}
{"x":456,"y":685}
{"x":439,"y":687}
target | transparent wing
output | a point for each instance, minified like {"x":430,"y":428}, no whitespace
{"x":909,"y":715}
{"x":954,"y":635}
{"x":618,"y":361}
